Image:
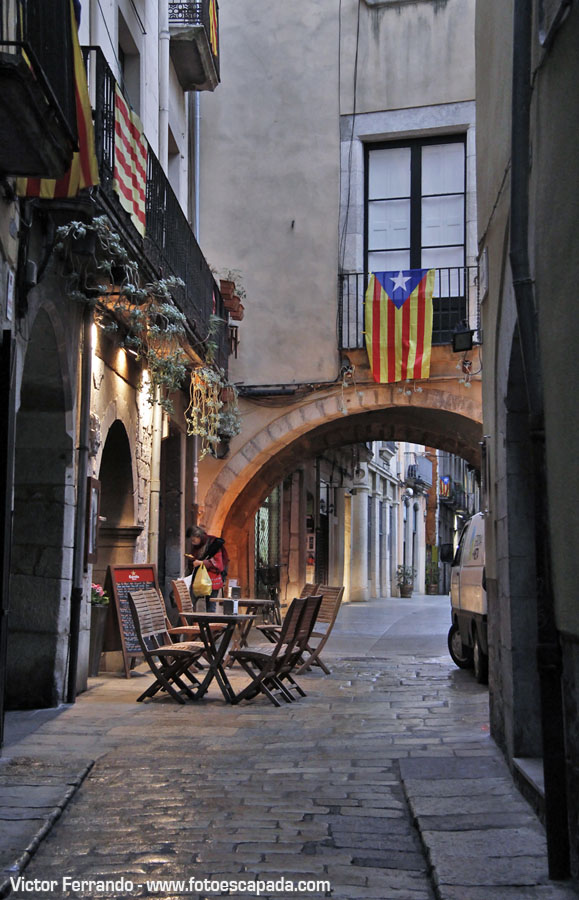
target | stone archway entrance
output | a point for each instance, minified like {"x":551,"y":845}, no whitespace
{"x":449,"y":419}
{"x":44,"y":504}
{"x":118,"y":532}
{"x":514,"y":688}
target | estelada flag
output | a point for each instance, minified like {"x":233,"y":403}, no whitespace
{"x":130,"y":176}
{"x":398,"y":324}
{"x":444,"y":488}
{"x":84,"y":170}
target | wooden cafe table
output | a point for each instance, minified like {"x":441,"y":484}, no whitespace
{"x":253,"y":607}
{"x":216,"y":647}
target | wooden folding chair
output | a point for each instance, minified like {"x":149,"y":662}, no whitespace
{"x":271,"y":630}
{"x":327,"y":615}
{"x":266,"y":665}
{"x":169,"y":662}
{"x":304,"y":631}
{"x":185,"y":607}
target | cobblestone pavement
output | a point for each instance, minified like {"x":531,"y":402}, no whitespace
{"x":330,"y":789}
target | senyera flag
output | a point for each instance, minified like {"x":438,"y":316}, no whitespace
{"x":83,"y":172}
{"x":130,"y":177}
{"x":398,"y":324}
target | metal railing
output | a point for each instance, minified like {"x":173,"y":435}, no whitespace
{"x":455,"y":300}
{"x":169,"y":246}
{"x":27,"y":28}
{"x":198,"y":12}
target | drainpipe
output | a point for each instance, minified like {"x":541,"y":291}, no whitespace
{"x":197,"y":159}
{"x":81,"y":502}
{"x":164,"y":39}
{"x":549,"y":657}
{"x":195,"y":497}
{"x":155,"y":483}
{"x":196,"y":224}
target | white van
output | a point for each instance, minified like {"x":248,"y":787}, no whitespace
{"x":467,"y":638}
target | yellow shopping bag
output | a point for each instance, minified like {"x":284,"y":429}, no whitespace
{"x":202,"y":585}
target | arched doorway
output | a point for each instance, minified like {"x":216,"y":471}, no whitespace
{"x":431,"y":419}
{"x":44,"y":504}
{"x":118,"y":532}
{"x":515,"y":607}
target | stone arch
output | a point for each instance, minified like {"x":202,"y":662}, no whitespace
{"x":44,"y":507}
{"x":118,"y":532}
{"x":517,"y":593}
{"x":435,"y":417}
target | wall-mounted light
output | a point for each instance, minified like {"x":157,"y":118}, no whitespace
{"x":462,"y":340}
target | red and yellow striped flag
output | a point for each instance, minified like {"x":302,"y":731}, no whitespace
{"x":84,"y":171}
{"x":398,"y":324}
{"x":130,"y":180}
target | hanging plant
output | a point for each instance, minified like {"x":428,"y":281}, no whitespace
{"x":212,"y":414}
{"x":229,"y":425}
{"x":101,"y":274}
{"x":202,"y":414}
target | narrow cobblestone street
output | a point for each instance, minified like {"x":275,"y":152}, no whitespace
{"x":330,"y":788}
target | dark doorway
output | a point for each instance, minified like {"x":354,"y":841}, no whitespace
{"x":118,"y":532}
{"x":44,"y":504}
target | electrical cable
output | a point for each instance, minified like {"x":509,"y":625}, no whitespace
{"x":119,"y":67}
{"x":342,"y":249}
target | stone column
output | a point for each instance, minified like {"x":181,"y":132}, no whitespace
{"x":359,"y":588}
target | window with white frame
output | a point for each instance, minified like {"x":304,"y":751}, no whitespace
{"x":415,"y":217}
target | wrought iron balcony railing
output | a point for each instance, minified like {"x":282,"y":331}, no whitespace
{"x":455,"y":300}
{"x":38,"y":130}
{"x":169,"y":246}
{"x":194,"y":28}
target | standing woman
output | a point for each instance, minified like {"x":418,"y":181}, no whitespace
{"x":210,"y":550}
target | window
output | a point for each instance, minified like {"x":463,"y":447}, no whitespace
{"x":415,"y":202}
{"x":130,"y":65}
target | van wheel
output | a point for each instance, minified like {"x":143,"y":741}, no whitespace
{"x":480,"y":662}
{"x":461,"y":655}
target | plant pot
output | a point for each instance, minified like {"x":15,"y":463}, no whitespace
{"x":432,"y":589}
{"x":227,"y":289}
{"x":406,"y":590}
{"x":98,"y":621}
{"x":237,"y":315}
{"x":232,"y":304}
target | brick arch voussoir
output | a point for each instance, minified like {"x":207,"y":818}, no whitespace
{"x":245,"y":465}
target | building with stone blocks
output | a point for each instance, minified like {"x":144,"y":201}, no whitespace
{"x":321,"y":184}
{"x":527,"y":181}
{"x":78,"y":425}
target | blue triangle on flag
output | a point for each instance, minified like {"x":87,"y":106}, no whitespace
{"x":399,"y":285}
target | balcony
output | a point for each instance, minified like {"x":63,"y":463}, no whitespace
{"x":455,"y":300}
{"x":169,"y":246}
{"x":194,"y":30}
{"x":37,"y":105}
{"x":458,"y":499}
{"x":419,"y":473}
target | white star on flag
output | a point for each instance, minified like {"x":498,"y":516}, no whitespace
{"x":400,"y":281}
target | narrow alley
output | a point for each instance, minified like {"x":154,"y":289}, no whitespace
{"x":382,"y":783}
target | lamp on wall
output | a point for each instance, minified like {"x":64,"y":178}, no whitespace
{"x":462,"y":338}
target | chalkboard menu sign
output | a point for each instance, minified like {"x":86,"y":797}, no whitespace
{"x":121,"y":580}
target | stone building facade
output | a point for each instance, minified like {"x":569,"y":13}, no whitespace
{"x":527,"y":178}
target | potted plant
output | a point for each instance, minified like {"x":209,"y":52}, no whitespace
{"x":99,"y":604}
{"x":431,"y":578}
{"x":405,"y":576}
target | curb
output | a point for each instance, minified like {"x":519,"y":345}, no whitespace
{"x":20,"y":863}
